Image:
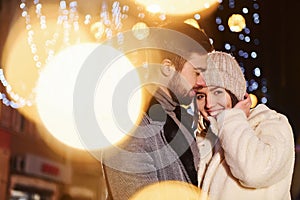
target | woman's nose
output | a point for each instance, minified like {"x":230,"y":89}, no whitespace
{"x":210,"y":101}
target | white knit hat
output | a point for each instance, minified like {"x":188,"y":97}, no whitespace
{"x":224,"y":71}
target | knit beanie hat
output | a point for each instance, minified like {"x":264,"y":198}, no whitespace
{"x":224,"y":71}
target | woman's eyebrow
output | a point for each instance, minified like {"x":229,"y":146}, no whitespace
{"x":213,"y":88}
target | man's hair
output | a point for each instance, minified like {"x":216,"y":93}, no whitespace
{"x":198,"y":35}
{"x":181,"y":42}
{"x":194,"y":33}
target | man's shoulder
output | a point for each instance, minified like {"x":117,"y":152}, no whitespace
{"x":143,"y":135}
{"x":147,"y":127}
{"x":148,"y":121}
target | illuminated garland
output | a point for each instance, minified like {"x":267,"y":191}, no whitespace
{"x":67,"y":23}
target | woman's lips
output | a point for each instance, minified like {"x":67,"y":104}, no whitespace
{"x":214,"y":113}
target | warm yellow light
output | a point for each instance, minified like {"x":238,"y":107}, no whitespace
{"x":174,"y":190}
{"x":154,"y":8}
{"x":140,"y":30}
{"x":98,"y":29}
{"x":236,"y":23}
{"x":107,"y":99}
{"x":18,"y":59}
{"x":55,"y":98}
{"x":54,"y":90}
{"x":176,"y":7}
{"x":192,"y":22}
{"x":253,"y":100}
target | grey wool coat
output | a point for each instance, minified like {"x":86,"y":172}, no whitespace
{"x":156,"y":151}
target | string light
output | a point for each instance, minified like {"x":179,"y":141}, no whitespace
{"x":244,"y":45}
{"x":17,"y":101}
{"x":67,"y":30}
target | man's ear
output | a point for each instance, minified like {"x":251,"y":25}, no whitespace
{"x":167,"y":68}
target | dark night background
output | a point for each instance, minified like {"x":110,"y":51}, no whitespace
{"x":281,"y":34}
{"x":281,"y":55}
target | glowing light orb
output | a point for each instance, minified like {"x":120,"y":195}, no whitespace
{"x":140,"y":30}
{"x":113,"y":92}
{"x":55,"y":91}
{"x":192,"y":22}
{"x":236,"y":23}
{"x":176,"y":7}
{"x":98,"y":29}
{"x":253,"y":100}
{"x":175,"y":190}
{"x":26,"y":50}
{"x":154,"y":8}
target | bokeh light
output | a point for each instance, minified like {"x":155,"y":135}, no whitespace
{"x":192,"y":22}
{"x":236,"y":23}
{"x":55,"y":97}
{"x":242,"y":32}
{"x":140,"y":30}
{"x":29,"y":46}
{"x":177,"y":7}
{"x":253,"y":100}
{"x":174,"y":190}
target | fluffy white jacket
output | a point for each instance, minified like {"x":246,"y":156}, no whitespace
{"x":247,"y":158}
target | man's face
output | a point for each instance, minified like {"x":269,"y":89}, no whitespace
{"x":185,"y":83}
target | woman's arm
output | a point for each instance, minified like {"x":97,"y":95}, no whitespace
{"x":259,"y":154}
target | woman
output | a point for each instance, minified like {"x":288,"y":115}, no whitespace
{"x":245,"y":153}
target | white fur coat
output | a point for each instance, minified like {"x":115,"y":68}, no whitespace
{"x":247,"y":158}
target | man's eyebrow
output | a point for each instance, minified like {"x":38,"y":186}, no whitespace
{"x":200,"y":88}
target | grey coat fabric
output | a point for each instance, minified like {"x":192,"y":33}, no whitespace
{"x":147,"y":157}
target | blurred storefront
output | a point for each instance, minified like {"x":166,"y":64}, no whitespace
{"x":32,"y":170}
{"x":4,"y":162}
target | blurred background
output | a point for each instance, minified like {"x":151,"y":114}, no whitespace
{"x":39,"y":159}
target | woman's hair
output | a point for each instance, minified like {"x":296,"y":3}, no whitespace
{"x":234,"y":99}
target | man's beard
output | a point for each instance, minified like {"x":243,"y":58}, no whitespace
{"x":179,"y":90}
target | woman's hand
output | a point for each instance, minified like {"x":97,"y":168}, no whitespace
{"x":245,"y":104}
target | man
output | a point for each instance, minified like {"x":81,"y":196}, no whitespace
{"x":163,"y":146}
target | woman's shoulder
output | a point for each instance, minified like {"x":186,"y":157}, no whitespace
{"x":262,"y":114}
{"x":262,"y":110}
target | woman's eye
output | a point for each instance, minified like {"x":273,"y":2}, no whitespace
{"x":217,"y":92}
{"x":200,"y":96}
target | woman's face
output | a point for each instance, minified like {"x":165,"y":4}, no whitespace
{"x":212,"y":100}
